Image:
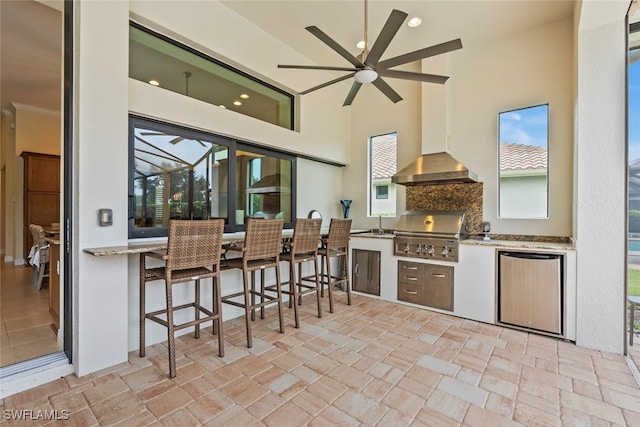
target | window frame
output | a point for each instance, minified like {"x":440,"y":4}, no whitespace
{"x":372,"y":192}
{"x":380,"y":195}
{"x":217,"y":62}
{"x":232,"y":144}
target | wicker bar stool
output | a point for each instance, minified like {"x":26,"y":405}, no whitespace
{"x":261,"y":250}
{"x":335,"y":245}
{"x":193,"y":253}
{"x":303,"y":248}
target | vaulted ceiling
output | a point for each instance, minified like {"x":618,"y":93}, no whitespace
{"x":31,"y":32}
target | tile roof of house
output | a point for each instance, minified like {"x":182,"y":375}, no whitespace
{"x":384,"y":155}
{"x":521,"y":156}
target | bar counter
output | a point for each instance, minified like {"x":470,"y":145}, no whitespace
{"x":137,"y":247}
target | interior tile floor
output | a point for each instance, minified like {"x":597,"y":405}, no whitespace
{"x":25,"y":322}
{"x":373,"y":363}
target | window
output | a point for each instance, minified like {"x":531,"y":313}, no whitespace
{"x":158,"y":60}
{"x":185,"y":174}
{"x":383,"y":164}
{"x":382,"y":191}
{"x":523,"y":162}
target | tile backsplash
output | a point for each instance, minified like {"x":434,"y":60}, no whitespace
{"x":468,"y":198}
{"x":450,"y":197}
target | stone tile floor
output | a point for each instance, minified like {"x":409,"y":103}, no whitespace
{"x":374,"y":363}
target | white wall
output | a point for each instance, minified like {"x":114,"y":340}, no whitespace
{"x":485,"y":81}
{"x":601,"y":169}
{"x":100,"y":158}
{"x":106,"y":289}
{"x":530,"y":68}
{"x":372,"y":113}
{"x":231,"y":36}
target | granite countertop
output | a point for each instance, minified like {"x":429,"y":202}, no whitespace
{"x":374,"y":234}
{"x":521,"y":244}
{"x":518,"y":244}
{"x":147,"y":245}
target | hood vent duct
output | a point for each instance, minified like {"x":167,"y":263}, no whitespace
{"x":270,"y":184}
{"x":434,"y":169}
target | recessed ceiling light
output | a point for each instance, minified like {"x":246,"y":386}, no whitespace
{"x":154,"y":82}
{"x":244,"y":96}
{"x":221,"y":106}
{"x":360,"y":44}
{"x":238,"y":103}
{"x":414,"y":22}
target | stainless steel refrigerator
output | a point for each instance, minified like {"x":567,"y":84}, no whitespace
{"x":530,"y":290}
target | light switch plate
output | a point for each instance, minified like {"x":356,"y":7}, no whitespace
{"x":105,"y":217}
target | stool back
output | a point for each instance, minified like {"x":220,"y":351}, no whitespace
{"x":339,"y":231}
{"x":306,"y":236}
{"x":194,"y":243}
{"x":263,"y":238}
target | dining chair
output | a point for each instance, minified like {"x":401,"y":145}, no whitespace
{"x":303,"y":248}
{"x":335,"y":245}
{"x":38,"y":256}
{"x":193,"y":254}
{"x":259,"y":252}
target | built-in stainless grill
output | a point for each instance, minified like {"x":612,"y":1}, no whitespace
{"x":430,"y":234}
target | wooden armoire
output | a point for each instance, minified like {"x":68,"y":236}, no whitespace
{"x":41,"y":192}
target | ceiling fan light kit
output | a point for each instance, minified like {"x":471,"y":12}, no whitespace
{"x":365,"y":76}
{"x":368,"y":68}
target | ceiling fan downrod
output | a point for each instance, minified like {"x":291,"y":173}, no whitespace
{"x":366,"y":30}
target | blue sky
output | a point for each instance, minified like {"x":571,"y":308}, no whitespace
{"x":634,"y":111}
{"x":526,"y":126}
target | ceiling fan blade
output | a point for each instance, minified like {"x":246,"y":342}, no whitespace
{"x":421,"y":54}
{"x":387,"y":90}
{"x":318,"y":67}
{"x":407,"y":75}
{"x":339,"y":79}
{"x":352,"y":93}
{"x":334,"y":45}
{"x":391,"y":27}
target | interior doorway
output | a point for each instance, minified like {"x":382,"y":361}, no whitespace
{"x":31,"y":70}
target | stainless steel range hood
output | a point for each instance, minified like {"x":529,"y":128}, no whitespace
{"x":434,"y":169}
{"x":270,"y":184}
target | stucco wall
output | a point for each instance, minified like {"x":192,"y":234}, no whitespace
{"x":600,"y":163}
{"x":106,"y":289}
{"x":529,"y":68}
{"x":485,"y":80}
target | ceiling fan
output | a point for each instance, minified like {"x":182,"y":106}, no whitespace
{"x":368,"y":68}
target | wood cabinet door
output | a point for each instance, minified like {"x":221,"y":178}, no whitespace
{"x":42,"y":173}
{"x":41,"y":193}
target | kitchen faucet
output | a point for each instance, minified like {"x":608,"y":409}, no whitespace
{"x":380,"y":230}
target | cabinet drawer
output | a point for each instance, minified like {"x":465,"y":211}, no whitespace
{"x":409,"y":267}
{"x":409,"y":292}
{"x":438,"y":275}
{"x":411,"y":278}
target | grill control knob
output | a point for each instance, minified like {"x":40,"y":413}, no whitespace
{"x":419,"y":249}
{"x":431,"y":250}
{"x":445,"y":251}
{"x":406,"y":248}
